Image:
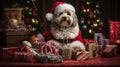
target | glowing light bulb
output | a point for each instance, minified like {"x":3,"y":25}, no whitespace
{"x":95,"y":25}
{"x":90,"y":30}
{"x":88,"y":10}
{"x":84,"y":10}
{"x":98,"y":20}
{"x":33,"y":20}
{"x":88,"y":3}
{"x":97,"y":5}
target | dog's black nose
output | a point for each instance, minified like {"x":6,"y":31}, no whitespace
{"x":64,"y":18}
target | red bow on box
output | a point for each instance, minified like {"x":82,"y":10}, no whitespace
{"x":48,"y":47}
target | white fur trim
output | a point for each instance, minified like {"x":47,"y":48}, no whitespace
{"x":49,"y":16}
{"x":77,"y":44}
{"x":41,"y":37}
{"x":62,"y":7}
{"x":27,"y":43}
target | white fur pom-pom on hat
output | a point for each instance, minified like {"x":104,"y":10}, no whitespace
{"x":49,"y":16}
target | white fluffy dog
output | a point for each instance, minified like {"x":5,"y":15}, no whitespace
{"x":64,"y":26}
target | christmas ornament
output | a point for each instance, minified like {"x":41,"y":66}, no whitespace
{"x":34,"y":39}
{"x":84,"y":27}
{"x":13,"y":22}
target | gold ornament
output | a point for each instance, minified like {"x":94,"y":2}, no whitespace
{"x":13,"y":22}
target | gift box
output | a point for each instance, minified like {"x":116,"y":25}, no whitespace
{"x":92,"y":49}
{"x":110,"y":51}
{"x":7,"y":52}
{"x":48,"y":47}
{"x":66,"y":53}
{"x":82,"y":55}
{"x":48,"y":58}
{"x":23,"y":56}
{"x":114,"y":31}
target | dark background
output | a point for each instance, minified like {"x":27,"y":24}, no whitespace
{"x":109,"y":10}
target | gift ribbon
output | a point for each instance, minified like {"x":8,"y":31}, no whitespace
{"x":44,"y":48}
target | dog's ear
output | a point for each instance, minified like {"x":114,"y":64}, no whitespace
{"x":75,"y":19}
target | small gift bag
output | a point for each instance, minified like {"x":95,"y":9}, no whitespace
{"x":65,"y":52}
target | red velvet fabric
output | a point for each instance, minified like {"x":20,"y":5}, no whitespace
{"x":95,"y":62}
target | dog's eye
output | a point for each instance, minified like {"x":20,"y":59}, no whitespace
{"x":68,"y":13}
{"x":60,"y":14}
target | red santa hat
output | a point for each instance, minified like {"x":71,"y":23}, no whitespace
{"x":58,"y":7}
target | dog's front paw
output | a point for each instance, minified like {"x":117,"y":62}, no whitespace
{"x":77,"y":44}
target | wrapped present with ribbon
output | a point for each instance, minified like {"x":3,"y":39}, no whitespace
{"x":7,"y":52}
{"x":110,"y":51}
{"x":48,"y":47}
{"x":66,"y":52}
{"x":23,"y":56}
{"x":82,"y":55}
{"x":92,"y":49}
{"x":48,"y":58}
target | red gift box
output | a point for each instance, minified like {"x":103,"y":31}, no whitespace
{"x":114,"y":31}
{"x":8,"y":52}
{"x":23,"y":56}
{"x":48,"y":47}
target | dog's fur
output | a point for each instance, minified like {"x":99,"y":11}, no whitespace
{"x":64,"y":25}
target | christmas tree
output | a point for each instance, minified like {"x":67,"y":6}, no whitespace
{"x":91,"y":20}
{"x":30,"y":16}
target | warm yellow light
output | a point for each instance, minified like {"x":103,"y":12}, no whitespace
{"x":98,"y":20}
{"x":97,"y":5}
{"x":95,"y":25}
{"x":88,"y":3}
{"x":88,"y":10}
{"x":33,"y":20}
{"x":90,"y":31}
{"x":84,"y":10}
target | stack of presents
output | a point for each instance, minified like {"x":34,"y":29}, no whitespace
{"x":46,"y":52}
